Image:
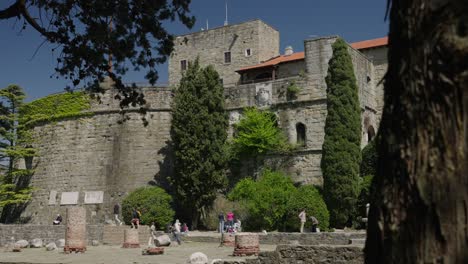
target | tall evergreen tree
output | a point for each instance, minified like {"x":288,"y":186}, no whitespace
{"x":14,"y":181}
{"x":341,"y":149}
{"x":199,"y":125}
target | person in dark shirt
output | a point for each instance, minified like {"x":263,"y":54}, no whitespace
{"x":57,"y":220}
{"x":116,"y":214}
{"x":221,"y":222}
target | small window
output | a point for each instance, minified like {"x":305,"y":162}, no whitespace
{"x":227,"y":57}
{"x":248,"y":52}
{"x":301,"y":134}
{"x":183,"y":65}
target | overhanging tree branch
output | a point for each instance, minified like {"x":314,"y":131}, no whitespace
{"x":12,"y":11}
{"x":19,"y":9}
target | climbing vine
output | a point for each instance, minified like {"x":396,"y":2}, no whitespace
{"x":55,"y":107}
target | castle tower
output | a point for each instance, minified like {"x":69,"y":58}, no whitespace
{"x":227,"y":48}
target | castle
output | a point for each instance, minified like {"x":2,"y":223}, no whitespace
{"x":94,"y":161}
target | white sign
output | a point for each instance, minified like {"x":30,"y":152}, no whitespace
{"x":95,"y":197}
{"x":69,"y":198}
{"x":52,"y":197}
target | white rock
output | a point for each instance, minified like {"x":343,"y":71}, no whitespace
{"x":163,"y":241}
{"x":22,"y":243}
{"x":36,"y":243}
{"x":198,"y":258}
{"x":60,"y":243}
{"x":95,"y":243}
{"x":51,"y":246}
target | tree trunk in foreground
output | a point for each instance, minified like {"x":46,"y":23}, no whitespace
{"x":420,"y":209}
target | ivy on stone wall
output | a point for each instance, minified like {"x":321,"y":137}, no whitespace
{"x":55,"y":107}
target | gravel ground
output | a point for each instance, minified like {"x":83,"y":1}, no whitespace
{"x":116,"y":254}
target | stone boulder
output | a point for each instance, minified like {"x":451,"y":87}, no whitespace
{"x":198,"y":258}
{"x":36,"y":243}
{"x":95,"y":243}
{"x":21,"y":244}
{"x":162,"y":241}
{"x":60,"y":243}
{"x":51,"y":246}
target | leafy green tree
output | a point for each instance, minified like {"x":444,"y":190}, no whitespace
{"x":267,"y":200}
{"x":153,"y":203}
{"x":198,"y":132}
{"x":257,"y":133}
{"x":86,"y":32}
{"x":341,"y":154}
{"x":14,"y":146}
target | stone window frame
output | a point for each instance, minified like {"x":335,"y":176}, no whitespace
{"x":227,"y":57}
{"x":248,"y":52}
{"x":183,"y":65}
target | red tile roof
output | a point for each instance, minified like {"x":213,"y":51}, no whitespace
{"x":366,"y":44}
{"x":372,"y":43}
{"x":276,"y":60}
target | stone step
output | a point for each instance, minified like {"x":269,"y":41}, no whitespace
{"x":357,"y":241}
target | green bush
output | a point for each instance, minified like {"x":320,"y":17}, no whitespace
{"x":153,"y":203}
{"x":309,"y":198}
{"x":292,"y":90}
{"x":266,"y":200}
{"x":257,"y":133}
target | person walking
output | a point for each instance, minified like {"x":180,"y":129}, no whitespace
{"x":135,"y":218}
{"x":302,"y":217}
{"x":315,"y":223}
{"x":116,"y":214}
{"x":152,"y":235}
{"x":176,"y":231}
{"x":230,"y":219}
{"x":221,"y":222}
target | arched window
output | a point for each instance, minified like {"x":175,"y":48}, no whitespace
{"x":370,"y":133}
{"x":301,"y":134}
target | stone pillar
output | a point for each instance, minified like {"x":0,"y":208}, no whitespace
{"x":131,"y":239}
{"x":247,"y":244}
{"x":75,"y":234}
{"x":228,"y":240}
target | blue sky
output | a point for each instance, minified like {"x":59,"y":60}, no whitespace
{"x":295,"y":19}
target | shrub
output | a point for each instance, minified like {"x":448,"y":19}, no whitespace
{"x":258,"y":133}
{"x":341,"y":155}
{"x":309,"y":198}
{"x":292,"y":90}
{"x":154,"y":204}
{"x":266,"y":200}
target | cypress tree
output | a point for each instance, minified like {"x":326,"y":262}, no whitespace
{"x":199,"y":132}
{"x":341,"y":154}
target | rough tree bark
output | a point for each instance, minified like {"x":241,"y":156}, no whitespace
{"x":419,"y":213}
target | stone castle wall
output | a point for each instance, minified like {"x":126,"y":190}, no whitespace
{"x":98,"y":153}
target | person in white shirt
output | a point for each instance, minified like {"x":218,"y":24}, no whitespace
{"x":302,"y":217}
{"x":176,"y":231}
